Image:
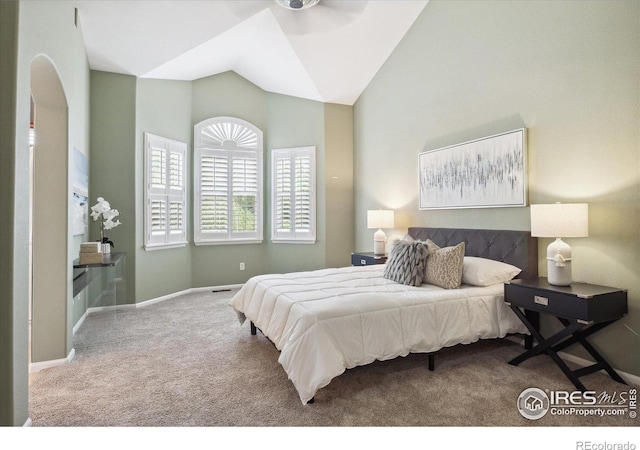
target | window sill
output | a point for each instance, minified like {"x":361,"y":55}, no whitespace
{"x":239,"y":241}
{"x":293,"y":241}
{"x":151,"y":248}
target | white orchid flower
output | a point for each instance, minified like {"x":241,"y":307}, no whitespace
{"x":110,"y":214}
{"x":102,"y":210}
{"x":109,"y":224}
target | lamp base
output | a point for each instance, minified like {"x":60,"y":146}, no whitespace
{"x":559,"y":276}
{"x":559,"y":263}
{"x":379,"y":242}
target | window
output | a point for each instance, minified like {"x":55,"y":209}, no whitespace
{"x":228,"y":182}
{"x":165,"y":192}
{"x":293,"y":216}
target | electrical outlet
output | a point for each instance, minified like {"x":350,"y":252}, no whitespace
{"x":241,"y":266}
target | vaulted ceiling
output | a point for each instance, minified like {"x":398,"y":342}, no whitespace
{"x":328,"y":52}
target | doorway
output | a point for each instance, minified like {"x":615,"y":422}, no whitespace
{"x":50,"y":266}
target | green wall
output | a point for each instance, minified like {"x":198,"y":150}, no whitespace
{"x":338,"y":179}
{"x":171,"y":109}
{"x":13,"y":370}
{"x":162,"y":108}
{"x":44,"y":29}
{"x":565,"y":70}
{"x":112,"y":169}
{"x":227,"y":94}
{"x":295,"y":122}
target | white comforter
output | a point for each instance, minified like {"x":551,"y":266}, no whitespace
{"x":326,"y":321}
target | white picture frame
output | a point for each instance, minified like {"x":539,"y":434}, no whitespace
{"x":490,"y":172}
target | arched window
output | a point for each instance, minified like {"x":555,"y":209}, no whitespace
{"x":228,"y":198}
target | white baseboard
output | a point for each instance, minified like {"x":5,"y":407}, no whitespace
{"x":163,"y":298}
{"x":186,"y":291}
{"x":78,"y":324}
{"x":38,"y":366}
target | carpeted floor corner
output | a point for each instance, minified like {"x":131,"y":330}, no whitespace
{"x":186,"y":362}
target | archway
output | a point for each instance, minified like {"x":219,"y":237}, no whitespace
{"x":51,"y":295}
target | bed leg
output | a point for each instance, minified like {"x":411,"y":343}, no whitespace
{"x":253,"y":329}
{"x":432,"y":361}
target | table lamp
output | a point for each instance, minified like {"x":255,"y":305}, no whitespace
{"x":379,"y":218}
{"x":559,"y":220}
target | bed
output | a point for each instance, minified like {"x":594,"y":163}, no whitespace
{"x":326,"y":321}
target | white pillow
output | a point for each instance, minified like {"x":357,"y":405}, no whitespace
{"x":485,"y":272}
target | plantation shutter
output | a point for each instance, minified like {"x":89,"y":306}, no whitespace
{"x":293,"y":178}
{"x":282,"y":202}
{"x":165,"y":179}
{"x":245,"y":194}
{"x":158,"y":166}
{"x":302,"y":188}
{"x":214,"y":188}
{"x":176,"y":193}
{"x":228,"y":182}
{"x":156,"y":198}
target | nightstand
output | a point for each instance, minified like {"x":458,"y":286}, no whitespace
{"x":582,"y":308}
{"x":367,"y":259}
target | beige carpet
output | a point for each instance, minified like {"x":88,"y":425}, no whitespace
{"x":188,"y":362}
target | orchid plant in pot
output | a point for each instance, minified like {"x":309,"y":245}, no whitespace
{"x":102,"y":211}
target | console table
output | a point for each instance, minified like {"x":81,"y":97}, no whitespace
{"x":113,"y":282}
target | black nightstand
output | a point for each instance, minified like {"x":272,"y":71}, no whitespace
{"x":367,"y":259}
{"x":582,"y":308}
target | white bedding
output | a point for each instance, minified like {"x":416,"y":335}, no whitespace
{"x":326,"y":321}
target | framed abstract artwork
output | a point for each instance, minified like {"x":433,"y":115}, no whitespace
{"x":489,"y":172}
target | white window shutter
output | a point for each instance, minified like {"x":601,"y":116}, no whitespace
{"x":293,"y":195}
{"x":165,"y":192}
{"x":158,"y":168}
{"x":302,"y":188}
{"x":282,"y":192}
{"x":214,"y":198}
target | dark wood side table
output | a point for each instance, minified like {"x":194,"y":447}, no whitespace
{"x":367,"y":259}
{"x":582,"y":308}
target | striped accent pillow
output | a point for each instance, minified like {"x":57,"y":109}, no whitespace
{"x":406,"y":263}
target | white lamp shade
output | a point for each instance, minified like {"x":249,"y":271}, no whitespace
{"x":380,"y":218}
{"x":560,"y":220}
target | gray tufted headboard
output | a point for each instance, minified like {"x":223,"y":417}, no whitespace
{"x":512,"y":247}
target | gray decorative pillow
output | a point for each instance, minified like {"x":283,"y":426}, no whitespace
{"x":444,"y":265}
{"x":431,"y":246}
{"x":406,"y":263}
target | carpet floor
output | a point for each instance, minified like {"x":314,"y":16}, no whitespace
{"x":186,"y":362}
